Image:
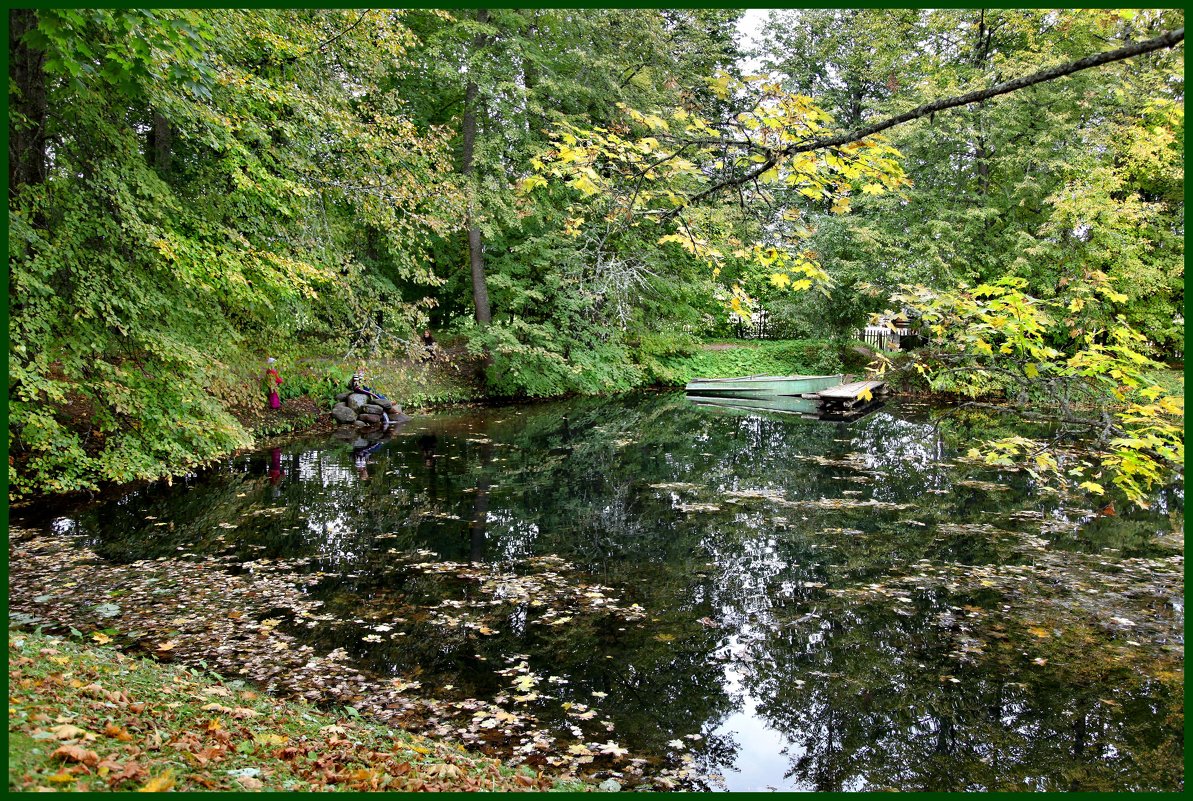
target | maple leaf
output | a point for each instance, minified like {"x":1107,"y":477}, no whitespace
{"x":613,"y":749}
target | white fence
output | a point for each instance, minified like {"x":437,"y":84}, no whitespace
{"x":881,"y":337}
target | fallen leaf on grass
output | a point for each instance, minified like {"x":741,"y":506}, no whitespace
{"x":159,"y":784}
{"x":270,"y":739}
{"x":68,"y":732}
{"x":74,"y":753}
{"x":112,"y":730}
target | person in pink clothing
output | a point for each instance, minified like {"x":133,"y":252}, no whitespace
{"x":273,"y":380}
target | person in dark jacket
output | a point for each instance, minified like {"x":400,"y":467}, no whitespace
{"x":357,"y":384}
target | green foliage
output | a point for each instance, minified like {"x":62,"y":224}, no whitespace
{"x":528,"y":360}
{"x":1047,"y":184}
{"x":997,"y":337}
{"x":209,"y":185}
{"x":209,"y":191}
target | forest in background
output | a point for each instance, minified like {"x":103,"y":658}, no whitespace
{"x":575,"y":197}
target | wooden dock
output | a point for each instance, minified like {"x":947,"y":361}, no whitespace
{"x":857,"y":394}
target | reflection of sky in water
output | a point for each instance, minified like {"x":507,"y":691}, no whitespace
{"x":738,"y":582}
{"x":764,"y":754}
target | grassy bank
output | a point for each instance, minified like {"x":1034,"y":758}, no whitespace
{"x":310,"y":385}
{"x":84,"y":717}
{"x":82,"y":447}
{"x":736,"y":358}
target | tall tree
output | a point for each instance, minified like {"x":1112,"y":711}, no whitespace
{"x":145,"y":274}
{"x":468,"y":129}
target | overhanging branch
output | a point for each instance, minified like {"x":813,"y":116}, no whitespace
{"x":1166,"y":40}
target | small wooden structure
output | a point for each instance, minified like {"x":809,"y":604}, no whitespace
{"x":848,"y":396}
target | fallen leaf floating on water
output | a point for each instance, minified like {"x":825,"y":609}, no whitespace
{"x":613,"y":749}
{"x":543,"y":585}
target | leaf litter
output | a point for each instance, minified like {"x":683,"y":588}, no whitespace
{"x":237,"y":618}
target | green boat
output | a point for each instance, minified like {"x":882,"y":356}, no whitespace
{"x":784,"y":404}
{"x":807,"y":408}
{"x":762,"y":386}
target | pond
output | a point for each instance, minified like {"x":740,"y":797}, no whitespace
{"x":667,"y":594}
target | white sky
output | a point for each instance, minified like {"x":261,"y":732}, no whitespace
{"x":748,"y":27}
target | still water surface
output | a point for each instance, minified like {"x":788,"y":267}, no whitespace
{"x":819,"y":605}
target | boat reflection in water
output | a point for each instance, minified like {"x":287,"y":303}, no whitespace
{"x":808,"y":408}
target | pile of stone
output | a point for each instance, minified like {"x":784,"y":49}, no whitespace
{"x":362,"y":411}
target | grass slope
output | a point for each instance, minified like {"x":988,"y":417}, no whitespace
{"x":83,"y":717}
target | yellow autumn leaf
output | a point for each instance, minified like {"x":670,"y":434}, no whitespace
{"x":159,"y":784}
{"x":1039,"y":632}
{"x":840,"y":206}
{"x":531,"y":182}
{"x":101,"y":638}
{"x":780,"y":280}
{"x":655,"y":121}
{"x":584,"y":184}
{"x":67,"y":731}
{"x":270,"y":739}
{"x":865,"y":395}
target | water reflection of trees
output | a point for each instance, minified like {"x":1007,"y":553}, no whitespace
{"x":885,"y":704}
{"x":739,"y":585}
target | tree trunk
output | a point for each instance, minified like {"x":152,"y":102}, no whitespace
{"x":476,"y":253}
{"x":161,"y":143}
{"x":27,"y":160}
